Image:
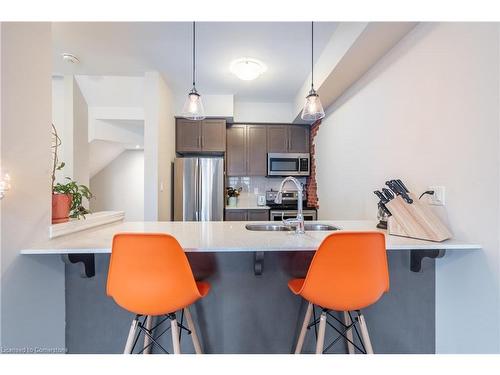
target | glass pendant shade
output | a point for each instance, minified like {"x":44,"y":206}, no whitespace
{"x":313,"y":110}
{"x":193,"y":106}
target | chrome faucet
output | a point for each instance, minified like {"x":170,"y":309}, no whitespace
{"x":298,"y":222}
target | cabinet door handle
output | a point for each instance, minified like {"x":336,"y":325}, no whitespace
{"x":201,"y":140}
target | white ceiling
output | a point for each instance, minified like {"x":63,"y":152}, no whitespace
{"x":131,"y":48}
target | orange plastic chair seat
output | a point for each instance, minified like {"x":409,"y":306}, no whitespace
{"x":348,"y":272}
{"x":149,"y":274}
{"x":203,"y":288}
{"x":295,"y":285}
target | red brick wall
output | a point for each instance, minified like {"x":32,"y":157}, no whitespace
{"x":311,"y":188}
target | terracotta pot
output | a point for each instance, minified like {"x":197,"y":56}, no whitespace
{"x":61,"y":204}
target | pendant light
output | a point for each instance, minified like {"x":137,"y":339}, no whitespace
{"x":193,"y":106}
{"x":313,"y":110}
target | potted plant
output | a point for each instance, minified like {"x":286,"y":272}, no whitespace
{"x":67,"y":199}
{"x":232,"y":195}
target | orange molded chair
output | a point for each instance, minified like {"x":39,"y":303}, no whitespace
{"x":149,"y":275}
{"x":348,"y":273}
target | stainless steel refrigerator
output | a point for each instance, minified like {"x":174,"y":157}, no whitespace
{"x":199,"y":189}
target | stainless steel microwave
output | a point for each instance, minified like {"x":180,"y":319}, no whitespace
{"x":288,"y":164}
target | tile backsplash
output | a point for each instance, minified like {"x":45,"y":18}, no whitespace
{"x":259,"y":185}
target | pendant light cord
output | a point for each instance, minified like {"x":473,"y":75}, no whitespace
{"x":312,"y":55}
{"x":194,"y":51}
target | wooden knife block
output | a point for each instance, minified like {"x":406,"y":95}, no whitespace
{"x":415,"y":220}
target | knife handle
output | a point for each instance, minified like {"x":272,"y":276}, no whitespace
{"x":399,"y":190}
{"x":384,"y":208}
{"x":402,"y":186}
{"x":381,"y":196}
{"x":388,"y":194}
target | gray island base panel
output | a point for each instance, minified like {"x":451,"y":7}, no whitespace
{"x":245,"y":313}
{"x":248,"y":314}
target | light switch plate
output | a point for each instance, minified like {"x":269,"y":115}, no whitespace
{"x":438,"y":198}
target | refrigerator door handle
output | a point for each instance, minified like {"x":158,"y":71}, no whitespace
{"x":200,"y":191}
{"x":197,"y":191}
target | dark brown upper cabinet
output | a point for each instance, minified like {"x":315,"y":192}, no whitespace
{"x":287,"y":138}
{"x":246,"y":150}
{"x":187,"y":135}
{"x":277,"y":140}
{"x":298,"y":139}
{"x":213,"y":135}
{"x":200,"y":136}
{"x":256,"y":150}
{"x":248,"y":145}
{"x":236,"y":154}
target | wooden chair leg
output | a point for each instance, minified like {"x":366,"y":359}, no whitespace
{"x":147,"y":339}
{"x":194,"y":335}
{"x":321,"y":333}
{"x":347,"y":321}
{"x":364,"y":334}
{"x":131,"y":337}
{"x":175,"y":336}
{"x":303,"y":330}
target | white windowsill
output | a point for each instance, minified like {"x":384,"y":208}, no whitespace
{"x":91,"y":220}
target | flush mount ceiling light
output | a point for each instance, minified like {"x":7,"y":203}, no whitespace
{"x":193,"y":106}
{"x":313,"y":109}
{"x":247,"y":69}
{"x":70,"y":58}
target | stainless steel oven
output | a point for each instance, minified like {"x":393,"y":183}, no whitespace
{"x":288,"y":164}
{"x":278,"y":215}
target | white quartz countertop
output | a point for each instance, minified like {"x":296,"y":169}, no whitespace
{"x":225,"y":236}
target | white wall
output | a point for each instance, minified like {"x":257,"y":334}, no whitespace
{"x":166,"y":151}
{"x":214,"y":105}
{"x":58,"y":110}
{"x":428,"y":113}
{"x":112,"y":91}
{"x":80,"y":141}
{"x":120,"y":186}
{"x":127,"y":132}
{"x":32,"y":308}
{"x":263,"y":112}
{"x":70,"y":117}
{"x":342,"y":39}
{"x":159,"y":147}
{"x":1,"y":174}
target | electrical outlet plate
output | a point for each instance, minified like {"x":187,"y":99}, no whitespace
{"x":438,"y":199}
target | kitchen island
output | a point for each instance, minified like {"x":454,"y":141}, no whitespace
{"x":224,"y":236}
{"x":245,"y":313}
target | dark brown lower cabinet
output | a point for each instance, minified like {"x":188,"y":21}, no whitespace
{"x":236,"y":215}
{"x":247,"y":215}
{"x":258,"y":215}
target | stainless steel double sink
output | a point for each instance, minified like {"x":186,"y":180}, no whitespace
{"x":285,"y":228}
